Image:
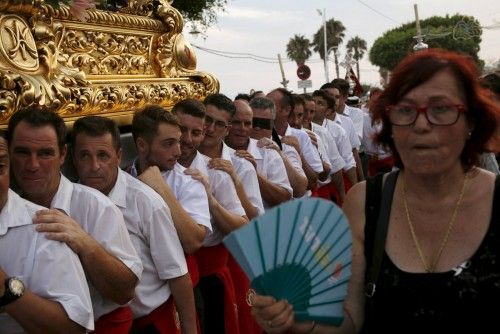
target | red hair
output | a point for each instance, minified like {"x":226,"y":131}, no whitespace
{"x":419,"y":67}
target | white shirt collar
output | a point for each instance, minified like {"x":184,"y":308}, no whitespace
{"x":227,"y":152}
{"x":13,"y":213}
{"x":253,"y":149}
{"x":119,"y":192}
{"x":62,"y":198}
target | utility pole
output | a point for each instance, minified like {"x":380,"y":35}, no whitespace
{"x":285,"y":81}
{"x":325,"y":59}
{"x":420,"y":38}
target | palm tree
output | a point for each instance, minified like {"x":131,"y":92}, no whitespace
{"x":298,"y":50}
{"x":334,"y":37}
{"x":357,"y":47}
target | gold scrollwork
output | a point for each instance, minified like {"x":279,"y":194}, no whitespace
{"x":112,"y":65}
{"x":101,"y":53}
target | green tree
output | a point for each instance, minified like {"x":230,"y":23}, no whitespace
{"x":334,"y":37}
{"x":202,"y":12}
{"x":357,"y":47}
{"x":298,"y":50}
{"x":389,"y":49}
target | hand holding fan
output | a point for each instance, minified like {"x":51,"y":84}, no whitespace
{"x":299,"y":251}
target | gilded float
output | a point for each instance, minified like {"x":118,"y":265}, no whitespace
{"x":111,"y":65}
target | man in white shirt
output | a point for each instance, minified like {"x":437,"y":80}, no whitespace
{"x":93,"y":227}
{"x":226,"y":212}
{"x":333,"y":186}
{"x":309,"y":156}
{"x":157,"y":136}
{"x":354,"y":113}
{"x":243,"y":137}
{"x":338,"y":115}
{"x":43,"y":286}
{"x":97,"y":157}
{"x":220,"y":108}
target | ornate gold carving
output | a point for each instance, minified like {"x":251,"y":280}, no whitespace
{"x":101,"y":53}
{"x":111,"y":65}
{"x":17,"y":43}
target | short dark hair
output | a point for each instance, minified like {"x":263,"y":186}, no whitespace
{"x":243,"y":96}
{"x":146,"y":121}
{"x":190,"y":107}
{"x":342,"y":85}
{"x":286,"y":99}
{"x":38,"y":116}
{"x":298,"y":99}
{"x":96,"y":126}
{"x":221,"y":101}
{"x":263,"y":103}
{"x":328,"y":85}
{"x":307,"y":97}
{"x":418,"y":68}
{"x":330,"y":100}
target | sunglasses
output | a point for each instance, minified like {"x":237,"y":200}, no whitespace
{"x":262,"y":123}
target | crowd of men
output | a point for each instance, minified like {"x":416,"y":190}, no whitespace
{"x":140,"y":249}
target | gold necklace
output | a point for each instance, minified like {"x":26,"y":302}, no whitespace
{"x":432,"y":265}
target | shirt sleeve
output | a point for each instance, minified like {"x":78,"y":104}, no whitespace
{"x":165,"y":247}
{"x":276,"y":172}
{"x":344,"y":148}
{"x":57,"y":275}
{"x":310,"y":152}
{"x":353,"y":136}
{"x":193,"y":198}
{"x":248,"y":177}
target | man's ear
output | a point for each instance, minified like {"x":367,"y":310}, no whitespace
{"x":140,"y":143}
{"x":63,"y":152}
{"x":119,"y":155}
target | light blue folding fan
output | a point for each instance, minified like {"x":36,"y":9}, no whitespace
{"x":299,"y":251}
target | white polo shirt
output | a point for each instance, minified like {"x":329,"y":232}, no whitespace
{"x":224,"y":192}
{"x":154,"y":237}
{"x":189,"y":192}
{"x":357,"y":116}
{"x":99,"y":217}
{"x":348,"y":126}
{"x":49,"y":269}
{"x":270,"y":165}
{"x":248,"y":176}
{"x":332,"y":152}
{"x":309,"y":151}
{"x":343,"y":145}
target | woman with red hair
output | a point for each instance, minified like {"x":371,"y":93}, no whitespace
{"x":426,"y":248}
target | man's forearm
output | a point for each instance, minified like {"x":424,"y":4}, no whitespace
{"x":38,"y":315}
{"x":298,"y":181}
{"x":250,"y":210}
{"x":110,"y":276}
{"x":191,"y":234}
{"x":225,"y":220}
{"x":338,"y":181}
{"x":359,"y":166}
{"x":272,"y":193}
{"x":182,"y":291}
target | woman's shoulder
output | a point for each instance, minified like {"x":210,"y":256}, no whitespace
{"x":354,"y":208}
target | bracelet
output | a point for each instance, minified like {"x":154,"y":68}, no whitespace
{"x":312,"y":328}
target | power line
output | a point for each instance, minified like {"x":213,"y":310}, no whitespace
{"x":238,"y":53}
{"x":380,"y":13}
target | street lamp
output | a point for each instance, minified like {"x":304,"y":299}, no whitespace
{"x":323,"y":13}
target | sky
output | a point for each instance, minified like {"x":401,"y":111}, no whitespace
{"x":263,"y":28}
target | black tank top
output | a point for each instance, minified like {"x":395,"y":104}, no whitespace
{"x":465,"y":299}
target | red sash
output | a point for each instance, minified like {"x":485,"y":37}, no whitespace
{"x":329,"y":192}
{"x":164,"y":319}
{"x":192,"y":266}
{"x":213,"y":261}
{"x":347,"y":182}
{"x":118,"y":321}
{"x":247,"y":323}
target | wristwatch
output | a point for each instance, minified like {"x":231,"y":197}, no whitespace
{"x":14,"y":289}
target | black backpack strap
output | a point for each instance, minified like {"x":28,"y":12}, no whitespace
{"x":382,"y":224}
